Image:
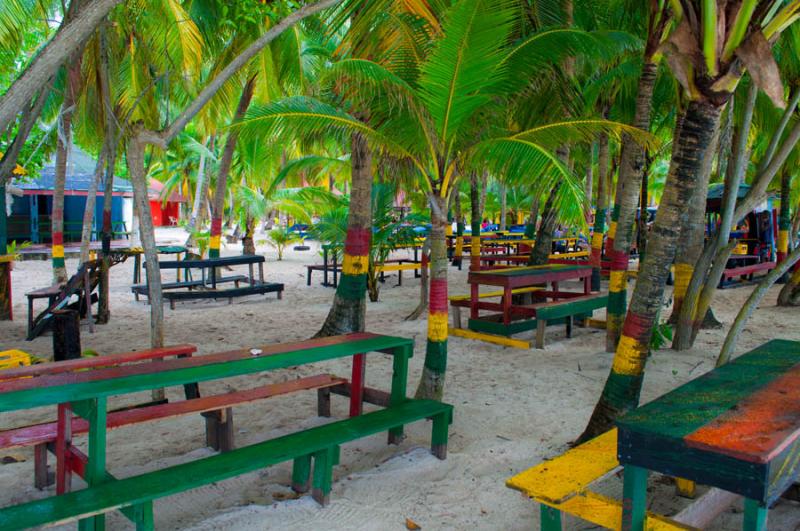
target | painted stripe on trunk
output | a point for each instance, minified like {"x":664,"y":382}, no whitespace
{"x":683,"y":275}
{"x":783,"y":241}
{"x":630,"y":356}
{"x":612,"y":230}
{"x":357,"y":241}
{"x":760,"y":427}
{"x":58,"y":251}
{"x":437,"y":326}
{"x":438,"y":295}
{"x":355,"y":265}
{"x":617,"y":281}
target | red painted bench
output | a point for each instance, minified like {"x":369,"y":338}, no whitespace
{"x":747,"y":271}
{"x":217,"y":410}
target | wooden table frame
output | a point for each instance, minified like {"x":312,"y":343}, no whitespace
{"x":513,"y":278}
{"x":736,"y":428}
{"x":86,"y":393}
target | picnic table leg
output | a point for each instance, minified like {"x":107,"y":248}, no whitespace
{"x":550,"y":519}
{"x":474,"y":300}
{"x":587,"y":285}
{"x":30,"y":315}
{"x":96,"y":467}
{"x":755,"y":516}
{"x":63,"y":442}
{"x":357,"y":385}
{"x":301,"y":474}
{"x":399,"y":385}
{"x":634,"y":498}
{"x":324,"y":461}
{"x":507,"y":296}
{"x":41,"y":477}
{"x":541,"y":327}
{"x":335,"y":272}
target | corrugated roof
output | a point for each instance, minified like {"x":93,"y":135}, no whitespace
{"x":80,"y":174}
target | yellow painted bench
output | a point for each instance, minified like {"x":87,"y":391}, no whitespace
{"x":10,"y":359}
{"x":561,"y":485}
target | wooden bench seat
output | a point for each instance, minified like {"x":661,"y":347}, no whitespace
{"x":567,"y":310}
{"x":561,"y":485}
{"x":746,"y":271}
{"x":463,"y":301}
{"x":141,"y":289}
{"x":259,"y":288}
{"x":320,"y":444}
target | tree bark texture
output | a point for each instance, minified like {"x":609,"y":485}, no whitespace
{"x":623,"y":386}
{"x":5,"y":290}
{"x":431,"y":384}
{"x":600,"y":210}
{"x":135,"y":156}
{"x":620,"y":231}
{"x":69,"y":38}
{"x":200,"y":196}
{"x":225,"y":168}
{"x":543,"y":246}
{"x":458,"y":251}
{"x":349,"y":304}
{"x":476,"y":213}
{"x":503,"y":206}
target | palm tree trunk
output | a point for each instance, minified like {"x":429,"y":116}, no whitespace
{"x":349,"y":304}
{"x":785,"y":216}
{"x":62,"y":159}
{"x":91,"y":200}
{"x":248,"y":242}
{"x":431,"y":384}
{"x":422,"y":307}
{"x":503,"y":206}
{"x":623,"y":386}
{"x":458,"y":252}
{"x":692,"y":239}
{"x":600,"y":210}
{"x":200,"y":194}
{"x":588,"y":187}
{"x":620,"y":231}
{"x":135,"y":156}
{"x":476,"y":213}
{"x":530,"y":228}
{"x":224,"y":170}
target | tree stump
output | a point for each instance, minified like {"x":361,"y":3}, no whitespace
{"x":66,"y":335}
{"x":5,"y":291}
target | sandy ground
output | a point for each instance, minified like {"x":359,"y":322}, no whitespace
{"x":513,"y":408}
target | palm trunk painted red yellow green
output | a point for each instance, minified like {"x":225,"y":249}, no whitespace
{"x":623,"y":386}
{"x":620,"y":232}
{"x":475,"y":222}
{"x":225,"y":169}
{"x":349,"y":304}
{"x":600,"y":212}
{"x":431,"y":383}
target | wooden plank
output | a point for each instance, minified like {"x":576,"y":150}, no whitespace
{"x":24,"y":393}
{"x":607,"y":513}
{"x":120,"y":493}
{"x":490,"y":338}
{"x":46,"y":432}
{"x":42,"y":369}
{"x":761,"y":426}
{"x":496,"y":293}
{"x":706,"y":508}
{"x":557,"y":480}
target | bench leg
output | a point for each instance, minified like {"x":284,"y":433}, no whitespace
{"x":324,"y":461}
{"x":439,"y":434}
{"x":550,"y":519}
{"x":143,"y":516}
{"x":569,"y":322}
{"x":301,"y":474}
{"x":219,"y":430}
{"x":634,"y":498}
{"x":324,"y":402}
{"x":41,"y":476}
{"x":63,"y":441}
{"x":755,"y":516}
{"x":541,"y":326}
{"x":456,"y":317}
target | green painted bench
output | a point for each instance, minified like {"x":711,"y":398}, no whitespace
{"x":86,"y":394}
{"x":320,"y":444}
{"x":566,"y":309}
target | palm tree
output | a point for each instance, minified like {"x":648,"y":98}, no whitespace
{"x":435,"y":118}
{"x":708,"y":53}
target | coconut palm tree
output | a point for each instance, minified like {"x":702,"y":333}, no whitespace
{"x":438,"y":119}
{"x":708,"y":53}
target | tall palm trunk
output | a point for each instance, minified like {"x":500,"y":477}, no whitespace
{"x":623,"y":386}
{"x":785,"y":216}
{"x":600,"y":211}
{"x":224,"y":170}
{"x":62,"y":159}
{"x":503,"y":206}
{"x":476,"y":212}
{"x":620,"y":231}
{"x":530,"y":227}
{"x":431,"y":384}
{"x":692,"y":239}
{"x":91,"y":200}
{"x":349,"y":304}
{"x":588,"y":188}
{"x":248,"y":242}
{"x":200,"y":195}
{"x":458,"y":252}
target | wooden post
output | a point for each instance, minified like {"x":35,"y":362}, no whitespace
{"x":66,"y":335}
{"x":6,"y":312}
{"x":634,"y":498}
{"x":357,"y":385}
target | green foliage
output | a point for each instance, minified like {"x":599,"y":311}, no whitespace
{"x":280,"y":238}
{"x":13,"y":248}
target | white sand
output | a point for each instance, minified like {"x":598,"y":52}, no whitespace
{"x":512,"y":409}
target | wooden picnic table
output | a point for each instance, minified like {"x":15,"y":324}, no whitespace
{"x":86,"y":394}
{"x":736,"y":428}
{"x":523,"y":277}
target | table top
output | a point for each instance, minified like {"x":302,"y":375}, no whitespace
{"x":48,"y":390}
{"x":736,"y":427}
{"x":531,"y":271}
